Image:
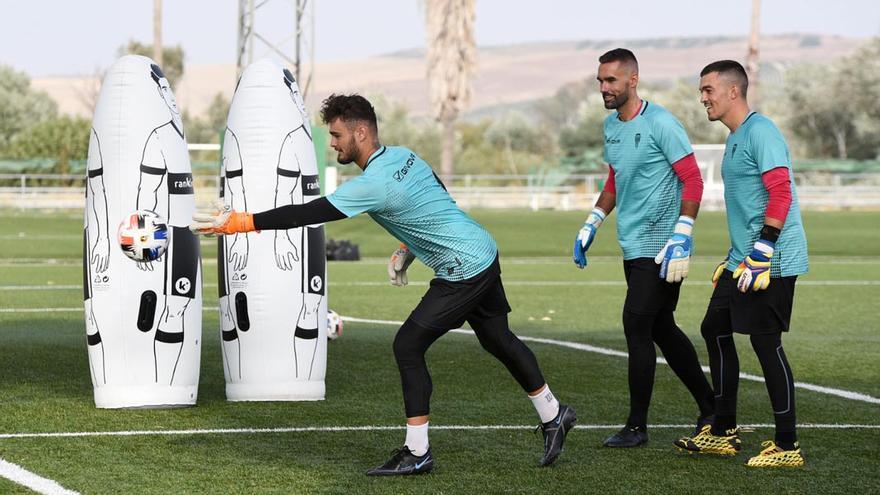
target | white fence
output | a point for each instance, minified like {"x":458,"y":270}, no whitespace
{"x":560,"y":192}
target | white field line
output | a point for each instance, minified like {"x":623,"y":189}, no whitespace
{"x":20,"y":475}
{"x":510,"y":283}
{"x":337,"y":429}
{"x":845,"y":394}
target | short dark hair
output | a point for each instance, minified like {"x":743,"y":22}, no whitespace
{"x":156,"y":73}
{"x":621,"y":55}
{"x":732,"y":70}
{"x":349,"y":108}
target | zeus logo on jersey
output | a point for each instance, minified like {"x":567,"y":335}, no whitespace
{"x":609,"y":140}
{"x":400,"y":174}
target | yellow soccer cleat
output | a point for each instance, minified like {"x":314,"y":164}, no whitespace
{"x":774,"y":456}
{"x":707,"y":443}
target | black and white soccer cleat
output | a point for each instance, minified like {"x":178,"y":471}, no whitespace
{"x":404,"y":462}
{"x":554,"y":432}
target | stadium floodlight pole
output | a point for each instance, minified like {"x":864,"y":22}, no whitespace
{"x":157,"y":32}
{"x":752,"y":59}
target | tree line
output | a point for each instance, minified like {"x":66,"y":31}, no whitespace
{"x":827,"y":111}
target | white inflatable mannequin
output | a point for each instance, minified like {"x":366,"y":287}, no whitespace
{"x":272,"y":285}
{"x":143,"y":320}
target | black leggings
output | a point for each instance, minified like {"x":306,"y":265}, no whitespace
{"x":642,"y":332}
{"x":723,"y":361}
{"x":413,"y":340}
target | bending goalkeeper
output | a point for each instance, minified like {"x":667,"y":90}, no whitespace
{"x":403,"y":195}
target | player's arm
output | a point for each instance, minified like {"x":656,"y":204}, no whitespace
{"x":671,"y":138}
{"x":674,"y":258}
{"x":606,"y":202}
{"x":773,"y":160}
{"x":753,"y":273}
{"x":224,"y":220}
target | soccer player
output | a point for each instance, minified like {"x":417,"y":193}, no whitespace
{"x":656,"y":186}
{"x":754,"y":286}
{"x":403,"y":195}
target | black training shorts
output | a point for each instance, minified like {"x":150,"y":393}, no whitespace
{"x":646,"y":293}
{"x":755,"y":312}
{"x":448,"y":305}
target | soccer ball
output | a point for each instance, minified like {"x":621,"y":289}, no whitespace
{"x":334,"y":325}
{"x":143,"y":235}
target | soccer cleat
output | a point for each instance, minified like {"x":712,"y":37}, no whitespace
{"x":627,"y":437}
{"x":554,"y":432}
{"x":774,"y":456}
{"x":706,"y":443}
{"x":703,"y":421}
{"x":404,"y":462}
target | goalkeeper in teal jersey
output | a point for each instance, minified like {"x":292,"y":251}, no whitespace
{"x":655,"y":184}
{"x":403,"y":195}
{"x":754,"y":286}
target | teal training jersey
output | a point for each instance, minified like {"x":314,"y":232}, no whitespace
{"x":754,"y":148}
{"x":648,"y":193}
{"x":402,"y":194}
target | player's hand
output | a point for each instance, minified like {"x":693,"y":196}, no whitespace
{"x":285,"y":251}
{"x":675,"y":257}
{"x":223,"y":220}
{"x":397,"y":265}
{"x":585,"y":237}
{"x":716,"y":274}
{"x":754,"y":271}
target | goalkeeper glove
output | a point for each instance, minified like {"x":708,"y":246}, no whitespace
{"x":754,"y":271}
{"x":585,"y":236}
{"x":397,"y":265}
{"x":674,"y":258}
{"x":223,"y":221}
{"x":720,"y":269}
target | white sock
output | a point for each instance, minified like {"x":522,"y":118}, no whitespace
{"x":417,"y":439}
{"x":546,"y":404}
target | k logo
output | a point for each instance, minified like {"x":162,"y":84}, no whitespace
{"x":316,"y":283}
{"x":182,"y":285}
{"x":638,"y":138}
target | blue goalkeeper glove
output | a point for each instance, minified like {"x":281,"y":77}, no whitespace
{"x":585,"y":236}
{"x":674,"y":259}
{"x":754,"y":271}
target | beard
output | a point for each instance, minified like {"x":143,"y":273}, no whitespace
{"x":617,"y":102}
{"x":347,"y":153}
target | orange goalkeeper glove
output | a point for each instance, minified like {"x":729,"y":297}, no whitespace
{"x":223,"y":221}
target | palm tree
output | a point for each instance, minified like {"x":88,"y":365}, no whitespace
{"x":451,"y":49}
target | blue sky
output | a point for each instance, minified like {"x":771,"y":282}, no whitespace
{"x":60,"y":37}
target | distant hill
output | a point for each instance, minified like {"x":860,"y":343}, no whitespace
{"x":505,"y":75}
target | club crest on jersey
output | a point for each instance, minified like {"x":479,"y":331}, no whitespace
{"x":733,"y":150}
{"x":638,"y":138}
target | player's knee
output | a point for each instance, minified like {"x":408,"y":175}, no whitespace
{"x":637,"y":327}
{"x":766,"y":344}
{"x":408,"y":345}
{"x":715,"y":323}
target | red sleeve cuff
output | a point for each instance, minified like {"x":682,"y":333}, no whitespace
{"x":689,"y":173}
{"x":778,"y":185}
{"x":609,"y":183}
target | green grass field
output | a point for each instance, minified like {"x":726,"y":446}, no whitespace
{"x":835,"y":343}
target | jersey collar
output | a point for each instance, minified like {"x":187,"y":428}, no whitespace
{"x":376,"y":154}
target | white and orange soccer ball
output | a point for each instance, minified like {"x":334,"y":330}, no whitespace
{"x":334,"y":325}
{"x":143,"y":235}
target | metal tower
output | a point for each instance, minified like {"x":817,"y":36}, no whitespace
{"x":296,"y":40}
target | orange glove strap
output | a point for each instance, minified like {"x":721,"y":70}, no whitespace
{"x":237,"y":222}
